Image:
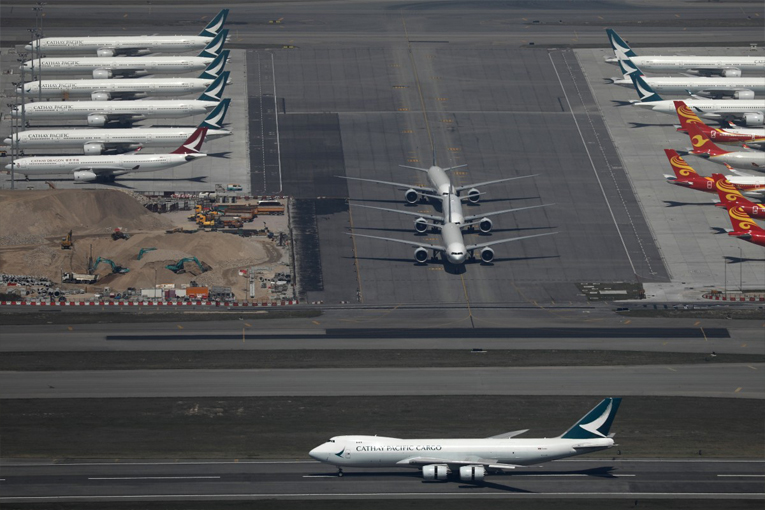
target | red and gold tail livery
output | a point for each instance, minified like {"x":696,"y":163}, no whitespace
{"x":702,"y":145}
{"x":687,"y":116}
{"x":730,"y":196}
{"x":685,"y":175}
{"x":744,"y":227}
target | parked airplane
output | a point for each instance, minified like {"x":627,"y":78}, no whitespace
{"x":728,"y":66}
{"x":734,"y":198}
{"x":440,"y":184}
{"x":749,"y":136}
{"x":686,"y":177}
{"x":704,"y":147}
{"x":98,"y":141}
{"x":744,"y":227}
{"x":106,"y":168}
{"x":473,"y":459}
{"x":130,"y":45}
{"x":738,"y":88}
{"x":105,"y":90}
{"x":453,"y":250}
{"x":103,"y":68}
{"x":101,"y":113}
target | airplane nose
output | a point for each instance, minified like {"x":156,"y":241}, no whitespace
{"x":7,"y":141}
{"x":315,"y":453}
{"x":28,"y":47}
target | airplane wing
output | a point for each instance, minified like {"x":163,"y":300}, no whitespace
{"x":499,"y":241}
{"x":505,"y":211}
{"x":398,"y":184}
{"x":402,"y":241}
{"x":423,"y":461}
{"x":508,"y":435}
{"x":408,"y":213}
{"x":487,"y":183}
{"x":718,"y":93}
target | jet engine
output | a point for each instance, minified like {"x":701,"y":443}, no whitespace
{"x":84,"y":176}
{"x":731,"y":73}
{"x":474,"y":195}
{"x":100,"y":96}
{"x":105,"y":52}
{"x":472,"y":473}
{"x":487,"y":255}
{"x":421,"y":225}
{"x":485,"y":225}
{"x":96,"y":120}
{"x":93,"y":148}
{"x":101,"y":74}
{"x":421,"y":255}
{"x":753,"y":119}
{"x":433,"y":472}
{"x":412,"y":196}
{"x":743,"y":94}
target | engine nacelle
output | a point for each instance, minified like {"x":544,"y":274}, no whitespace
{"x":96,"y":120}
{"x":412,"y":196}
{"x":105,"y":52}
{"x":101,"y":74}
{"x":731,"y":73}
{"x":93,"y":148}
{"x":84,"y":176}
{"x":433,"y":472}
{"x":472,"y":473}
{"x":485,"y":225}
{"x":743,"y":94}
{"x":421,"y":225}
{"x":487,"y":255}
{"x":753,"y":119}
{"x":421,"y":255}
{"x":100,"y":96}
{"x":474,"y":195}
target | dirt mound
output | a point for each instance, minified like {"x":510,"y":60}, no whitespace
{"x":30,"y":216}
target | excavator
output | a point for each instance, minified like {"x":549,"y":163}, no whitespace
{"x":116,"y":269}
{"x":67,"y":242}
{"x":178,"y":268}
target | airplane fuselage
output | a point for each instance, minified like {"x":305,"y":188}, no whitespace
{"x":682,"y":63}
{"x":440,"y":181}
{"x":709,"y":108}
{"x":117,"y":88}
{"x":456,"y":252}
{"x":152,"y":43}
{"x":132,"y":138}
{"x":682,"y":85}
{"x":376,"y":451}
{"x":116,"y":165}
{"x":749,"y":160}
{"x":118,"y":109}
{"x":117,"y":65}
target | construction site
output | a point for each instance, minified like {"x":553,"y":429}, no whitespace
{"x":75,"y":245}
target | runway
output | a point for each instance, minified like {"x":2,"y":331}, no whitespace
{"x":291,"y":479}
{"x":728,"y":381}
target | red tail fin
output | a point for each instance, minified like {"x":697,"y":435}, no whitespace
{"x":701,"y":142}
{"x":682,"y":169}
{"x":739,"y":218}
{"x":732,"y":194}
{"x":194,"y":143}
{"x":687,"y":116}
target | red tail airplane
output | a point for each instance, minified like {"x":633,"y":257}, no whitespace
{"x":744,"y":226}
{"x":687,"y":116}
{"x":685,"y":175}
{"x":735,"y":198}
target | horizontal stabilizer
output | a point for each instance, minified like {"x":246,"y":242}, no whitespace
{"x":508,"y":435}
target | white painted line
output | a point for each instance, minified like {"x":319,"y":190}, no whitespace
{"x":210,"y":463}
{"x":152,"y":477}
{"x":552,"y":476}
{"x":619,"y":476}
{"x":744,"y":476}
{"x":276,"y":116}
{"x":320,"y":476}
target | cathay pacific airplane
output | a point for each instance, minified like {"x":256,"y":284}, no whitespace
{"x":102,"y":68}
{"x":471,"y":459}
{"x":130,"y":45}
{"x":98,"y":141}
{"x":710,"y":65}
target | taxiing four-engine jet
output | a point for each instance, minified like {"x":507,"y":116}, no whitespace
{"x":130,"y":45}
{"x":98,"y":141}
{"x":470,"y":460}
{"x":106,"y":168}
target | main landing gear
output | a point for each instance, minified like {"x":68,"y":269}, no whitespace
{"x":340,"y":472}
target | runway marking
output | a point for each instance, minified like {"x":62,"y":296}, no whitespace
{"x":248,"y":324}
{"x":180,"y":327}
{"x":627,"y":322}
{"x":355,"y":256}
{"x":276,"y":117}
{"x":417,"y":81}
{"x":152,"y":477}
{"x":750,"y":366}
{"x":697,"y":323}
{"x":705,"y":335}
{"x":743,"y":476}
{"x":737,"y":389}
{"x":70,"y":328}
{"x":320,"y":476}
{"x":467,"y":299}
{"x":670,"y":368}
{"x":316,"y":322}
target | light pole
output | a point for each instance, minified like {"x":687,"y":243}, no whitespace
{"x":22,"y":58}
{"x":725,"y":288}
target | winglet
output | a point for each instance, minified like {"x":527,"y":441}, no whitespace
{"x":212,"y":28}
{"x":193,"y":143}
{"x":596,"y":423}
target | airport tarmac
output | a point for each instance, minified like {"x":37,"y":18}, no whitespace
{"x":35,"y":481}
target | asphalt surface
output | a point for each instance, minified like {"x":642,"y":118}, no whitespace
{"x":167,"y":480}
{"x":727,"y":381}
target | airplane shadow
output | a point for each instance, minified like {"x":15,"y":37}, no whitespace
{"x":642,"y":125}
{"x":719,"y":230}
{"x":502,"y":230}
{"x":382,"y":201}
{"x":382,"y":229}
{"x":621,"y":103}
{"x":223,"y":155}
{"x":495,"y":200}
{"x":739,"y":260}
{"x":673,"y":203}
{"x":510,"y":259}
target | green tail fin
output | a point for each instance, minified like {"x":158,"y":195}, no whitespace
{"x":597,"y":422}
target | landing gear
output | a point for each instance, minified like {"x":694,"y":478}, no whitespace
{"x":340,"y":472}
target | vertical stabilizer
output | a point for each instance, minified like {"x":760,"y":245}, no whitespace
{"x":215,"y":46}
{"x":216,"y":67}
{"x":212,"y":28}
{"x":701,"y":142}
{"x":214,"y":119}
{"x":621,"y":48}
{"x":645,"y":92}
{"x":214,"y":91}
{"x":596,"y":423}
{"x":193,"y":143}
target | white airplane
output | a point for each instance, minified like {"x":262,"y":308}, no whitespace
{"x":454,"y":249}
{"x":750,"y":111}
{"x":103,"y":68}
{"x":98,"y":141}
{"x":701,"y":65}
{"x":471,"y":459}
{"x":131,"y":45}
{"x":440,"y":184}
{"x":106,"y":168}
{"x":704,"y":147}
{"x":101,"y":113}
{"x":105,"y":90}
